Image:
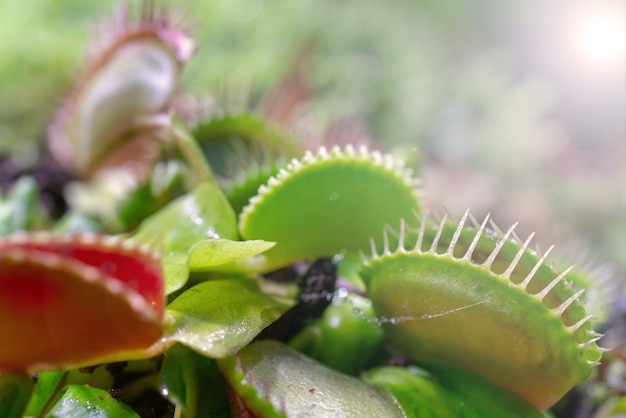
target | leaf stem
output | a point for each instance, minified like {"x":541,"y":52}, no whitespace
{"x":192,"y":153}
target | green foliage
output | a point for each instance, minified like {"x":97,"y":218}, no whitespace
{"x":222,"y":254}
{"x":446,"y":392}
{"x":231,"y":209}
{"x":345,"y":338}
{"x":15,"y":392}
{"x":47,"y":386}
{"x":264,"y":374}
{"x":203,"y":214}
{"x":219,"y":317}
{"x":79,"y":401}
{"x":20,"y":209}
{"x":195,"y":383}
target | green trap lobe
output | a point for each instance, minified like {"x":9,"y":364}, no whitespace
{"x":449,"y":310}
{"x":327,"y":204}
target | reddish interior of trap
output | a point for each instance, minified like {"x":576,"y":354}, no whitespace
{"x":53,"y":317}
{"x":139,"y":271}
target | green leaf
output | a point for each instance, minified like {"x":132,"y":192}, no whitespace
{"x":275,"y":380}
{"x":175,"y":271}
{"x":15,"y":390}
{"x":165,"y":184}
{"x":48,"y":384}
{"x":21,"y":209}
{"x":447,"y":392}
{"x":78,"y":401}
{"x":219,"y":317}
{"x":195,"y":383}
{"x":204,"y":213}
{"x":218,"y":252}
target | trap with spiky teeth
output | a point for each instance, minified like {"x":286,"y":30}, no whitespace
{"x":484,"y":302}
{"x":118,"y":107}
{"x":327,"y":203}
{"x":76,"y":300}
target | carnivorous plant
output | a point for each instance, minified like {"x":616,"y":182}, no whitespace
{"x":242,"y":273}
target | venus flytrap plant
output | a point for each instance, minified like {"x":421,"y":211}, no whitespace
{"x":540,"y":338}
{"x":327,"y":203}
{"x":192,"y":285}
{"x":209,"y":317}
{"x":129,"y":82}
{"x":76,"y":300}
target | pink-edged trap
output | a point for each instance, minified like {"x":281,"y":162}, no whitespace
{"x":76,"y":300}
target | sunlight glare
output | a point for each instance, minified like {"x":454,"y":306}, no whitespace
{"x":601,"y":37}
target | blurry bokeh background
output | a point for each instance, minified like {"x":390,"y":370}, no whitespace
{"x":516,"y":108}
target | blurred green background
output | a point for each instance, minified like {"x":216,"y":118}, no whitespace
{"x":517,"y":107}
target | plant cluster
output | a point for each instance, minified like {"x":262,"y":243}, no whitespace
{"x":211,"y":264}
